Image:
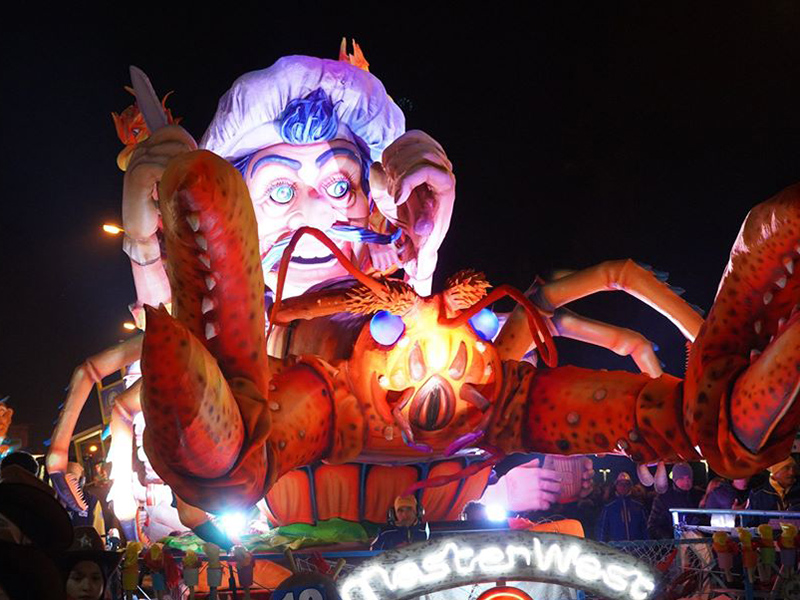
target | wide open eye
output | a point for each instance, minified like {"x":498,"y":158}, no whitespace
{"x":338,"y":189}
{"x":282,"y":193}
{"x":485,"y":324}
{"x":386,"y":328}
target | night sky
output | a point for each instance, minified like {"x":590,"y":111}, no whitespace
{"x":580,"y":133}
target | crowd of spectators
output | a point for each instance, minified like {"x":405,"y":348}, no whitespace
{"x":621,"y":509}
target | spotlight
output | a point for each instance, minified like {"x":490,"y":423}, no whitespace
{"x":495,"y":512}
{"x":233,"y":524}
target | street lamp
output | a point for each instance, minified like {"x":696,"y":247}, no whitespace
{"x":605,"y":473}
{"x":129,"y":326}
{"x":112,"y":229}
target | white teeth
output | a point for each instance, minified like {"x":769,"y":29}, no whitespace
{"x":212,"y":329}
{"x":754,"y":354}
{"x":781,"y":283}
{"x":201,"y":241}
{"x":194,"y":221}
{"x":207,"y":304}
{"x":203,"y":258}
{"x":757,"y":327}
{"x":781,"y":322}
{"x":789,"y":264}
{"x":771,"y":339}
{"x":767,"y":297}
{"x":211,"y":283}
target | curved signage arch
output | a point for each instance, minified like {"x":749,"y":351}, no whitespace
{"x":468,"y":559}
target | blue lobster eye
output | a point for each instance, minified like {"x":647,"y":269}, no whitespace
{"x":386,"y":328}
{"x":282,"y":193}
{"x":485,"y":324}
{"x":338,"y":189}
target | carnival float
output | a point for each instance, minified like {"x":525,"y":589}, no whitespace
{"x":295,"y":357}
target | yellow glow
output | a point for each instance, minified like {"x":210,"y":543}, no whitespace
{"x":436,"y":353}
{"x":92,"y":448}
{"x":112,"y":229}
{"x":129,"y":326}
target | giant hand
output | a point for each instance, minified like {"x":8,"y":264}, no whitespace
{"x":532,"y":487}
{"x":414,"y":188}
{"x":140,"y":216}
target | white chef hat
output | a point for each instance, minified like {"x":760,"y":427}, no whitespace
{"x":249,"y":115}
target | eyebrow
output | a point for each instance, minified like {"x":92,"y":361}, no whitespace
{"x":328,"y":154}
{"x":276,"y":158}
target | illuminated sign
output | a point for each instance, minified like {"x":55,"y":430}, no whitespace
{"x":467,"y":559}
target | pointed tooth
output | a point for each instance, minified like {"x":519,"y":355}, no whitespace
{"x":471,"y":394}
{"x":211,"y":283}
{"x":754,"y":354}
{"x":416,"y":363}
{"x":201,"y":241}
{"x":767,"y":297}
{"x":781,"y":282}
{"x":789,"y":263}
{"x":212,"y":330}
{"x":205,"y":259}
{"x":771,"y":339}
{"x":194,"y":221}
{"x":207,"y":304}
{"x":757,"y":326}
{"x":459,"y":364}
{"x":781,"y":322}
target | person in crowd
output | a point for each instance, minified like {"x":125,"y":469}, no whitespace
{"x":35,"y":531}
{"x":22,"y":459}
{"x":405,"y":525}
{"x":93,"y":515}
{"x":623,"y":518}
{"x":722,"y":493}
{"x":681,"y":494}
{"x":86,"y":566}
{"x":781,"y":492}
{"x":474,"y":512}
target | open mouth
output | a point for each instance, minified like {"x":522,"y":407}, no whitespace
{"x":314,"y":260}
{"x":433,"y":406}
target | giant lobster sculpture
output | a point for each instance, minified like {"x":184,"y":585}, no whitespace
{"x":373,"y":372}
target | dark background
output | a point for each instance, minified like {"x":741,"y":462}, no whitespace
{"x":579,"y":132}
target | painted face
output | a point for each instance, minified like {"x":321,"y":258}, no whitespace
{"x":315,"y":185}
{"x":85,"y":581}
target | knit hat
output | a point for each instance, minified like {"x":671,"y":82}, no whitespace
{"x":786,"y":462}
{"x":681,"y":470}
{"x":405,"y":501}
{"x":623,"y":476}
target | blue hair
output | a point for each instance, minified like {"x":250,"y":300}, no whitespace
{"x":307,"y":121}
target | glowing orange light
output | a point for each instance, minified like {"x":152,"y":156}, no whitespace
{"x":112,"y":229}
{"x":504,"y":593}
{"x":129,"y":326}
{"x":92,"y":448}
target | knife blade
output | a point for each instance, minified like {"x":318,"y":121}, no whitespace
{"x":147,"y":99}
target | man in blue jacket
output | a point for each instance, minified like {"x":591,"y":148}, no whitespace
{"x":405,"y":526}
{"x":624,"y":518}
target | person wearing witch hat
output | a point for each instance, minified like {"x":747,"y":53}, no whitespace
{"x":86,"y":566}
{"x":35,"y":531}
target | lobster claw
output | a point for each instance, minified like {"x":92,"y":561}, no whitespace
{"x":743,"y":374}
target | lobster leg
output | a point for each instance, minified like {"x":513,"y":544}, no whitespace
{"x":80,"y":386}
